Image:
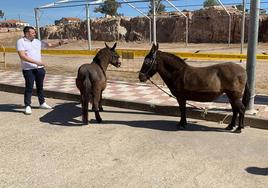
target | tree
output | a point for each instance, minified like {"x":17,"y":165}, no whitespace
{"x":208,"y":3}
{"x":109,"y":7}
{"x":1,"y":14}
{"x":159,"y":7}
{"x":239,"y":7}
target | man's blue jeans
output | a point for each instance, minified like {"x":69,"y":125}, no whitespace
{"x":31,"y":76}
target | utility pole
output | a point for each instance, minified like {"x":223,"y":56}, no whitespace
{"x":253,"y":30}
{"x":88,"y":27}
{"x":37,"y":19}
{"x":154,"y":23}
{"x":243,"y":26}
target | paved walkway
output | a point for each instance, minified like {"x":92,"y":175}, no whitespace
{"x":141,"y":93}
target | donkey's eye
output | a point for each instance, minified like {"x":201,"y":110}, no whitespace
{"x":116,"y":56}
{"x":147,"y":61}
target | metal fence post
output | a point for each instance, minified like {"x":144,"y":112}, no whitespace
{"x":252,"y":49}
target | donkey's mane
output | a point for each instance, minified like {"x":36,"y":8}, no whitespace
{"x":173,"y":60}
{"x":101,"y":55}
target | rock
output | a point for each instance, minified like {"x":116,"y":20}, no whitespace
{"x":171,"y":29}
{"x":205,"y":25}
{"x":138,"y":29}
{"x":212,"y":25}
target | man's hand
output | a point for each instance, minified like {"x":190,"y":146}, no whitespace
{"x":23,"y":56}
{"x":40,"y":64}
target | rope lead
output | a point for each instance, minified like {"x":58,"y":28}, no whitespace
{"x":204,"y":110}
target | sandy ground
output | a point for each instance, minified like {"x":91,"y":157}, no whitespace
{"x":130,"y":148}
{"x":68,"y":65}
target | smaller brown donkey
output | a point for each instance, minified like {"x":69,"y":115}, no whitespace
{"x":91,"y":80}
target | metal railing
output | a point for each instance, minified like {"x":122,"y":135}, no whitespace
{"x":3,"y":50}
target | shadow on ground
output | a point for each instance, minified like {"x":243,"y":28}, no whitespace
{"x":11,"y":108}
{"x":69,"y":114}
{"x":63,"y":114}
{"x":257,"y":171}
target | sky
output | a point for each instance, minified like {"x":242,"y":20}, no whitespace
{"x":24,"y":9}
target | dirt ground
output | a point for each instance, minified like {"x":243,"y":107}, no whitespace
{"x":68,"y":65}
{"x":130,"y":148}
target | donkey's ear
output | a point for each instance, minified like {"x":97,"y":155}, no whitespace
{"x":157,"y":46}
{"x":154,"y":48}
{"x":113,"y":48}
{"x":107,"y":46}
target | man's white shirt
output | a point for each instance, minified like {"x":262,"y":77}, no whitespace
{"x":32,"y":49}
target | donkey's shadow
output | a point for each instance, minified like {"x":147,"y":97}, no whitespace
{"x":69,"y":114}
{"x":66,"y":114}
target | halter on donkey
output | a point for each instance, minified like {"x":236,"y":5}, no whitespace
{"x":202,"y":84}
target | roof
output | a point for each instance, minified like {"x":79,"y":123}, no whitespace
{"x":13,"y":21}
{"x":72,"y":19}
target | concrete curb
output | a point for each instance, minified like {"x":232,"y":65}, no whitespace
{"x":212,"y":115}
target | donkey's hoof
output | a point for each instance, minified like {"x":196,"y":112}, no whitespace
{"x":85,"y":123}
{"x":237,"y":130}
{"x":229,"y":127}
{"x":99,"y":120}
{"x":180,"y":126}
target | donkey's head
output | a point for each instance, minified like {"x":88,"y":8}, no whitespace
{"x":149,"y":66}
{"x":114,"y":57}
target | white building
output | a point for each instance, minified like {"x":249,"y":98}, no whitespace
{"x":13,"y":23}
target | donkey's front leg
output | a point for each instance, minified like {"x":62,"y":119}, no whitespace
{"x":95,"y":106}
{"x":100,"y":103}
{"x":182,"y":106}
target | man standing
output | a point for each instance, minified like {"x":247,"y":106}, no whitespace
{"x":29,"y":50}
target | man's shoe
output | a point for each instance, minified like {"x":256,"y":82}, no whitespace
{"x":45,"y":106}
{"x":28,"y":110}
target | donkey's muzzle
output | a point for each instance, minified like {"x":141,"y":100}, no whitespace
{"x":142,"y":77}
{"x":118,"y":64}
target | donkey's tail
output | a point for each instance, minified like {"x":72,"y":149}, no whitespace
{"x":246,"y":96}
{"x":86,"y":97}
{"x":87,"y":87}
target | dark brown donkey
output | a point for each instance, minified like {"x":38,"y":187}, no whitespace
{"x":199,"y":83}
{"x":91,"y":80}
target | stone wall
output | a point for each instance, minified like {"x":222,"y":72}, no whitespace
{"x":205,"y":25}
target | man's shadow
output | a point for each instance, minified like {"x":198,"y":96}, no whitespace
{"x":69,"y":114}
{"x":257,"y":171}
{"x":12,"y":108}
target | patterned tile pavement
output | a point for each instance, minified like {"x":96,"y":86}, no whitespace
{"x":138,"y":92}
